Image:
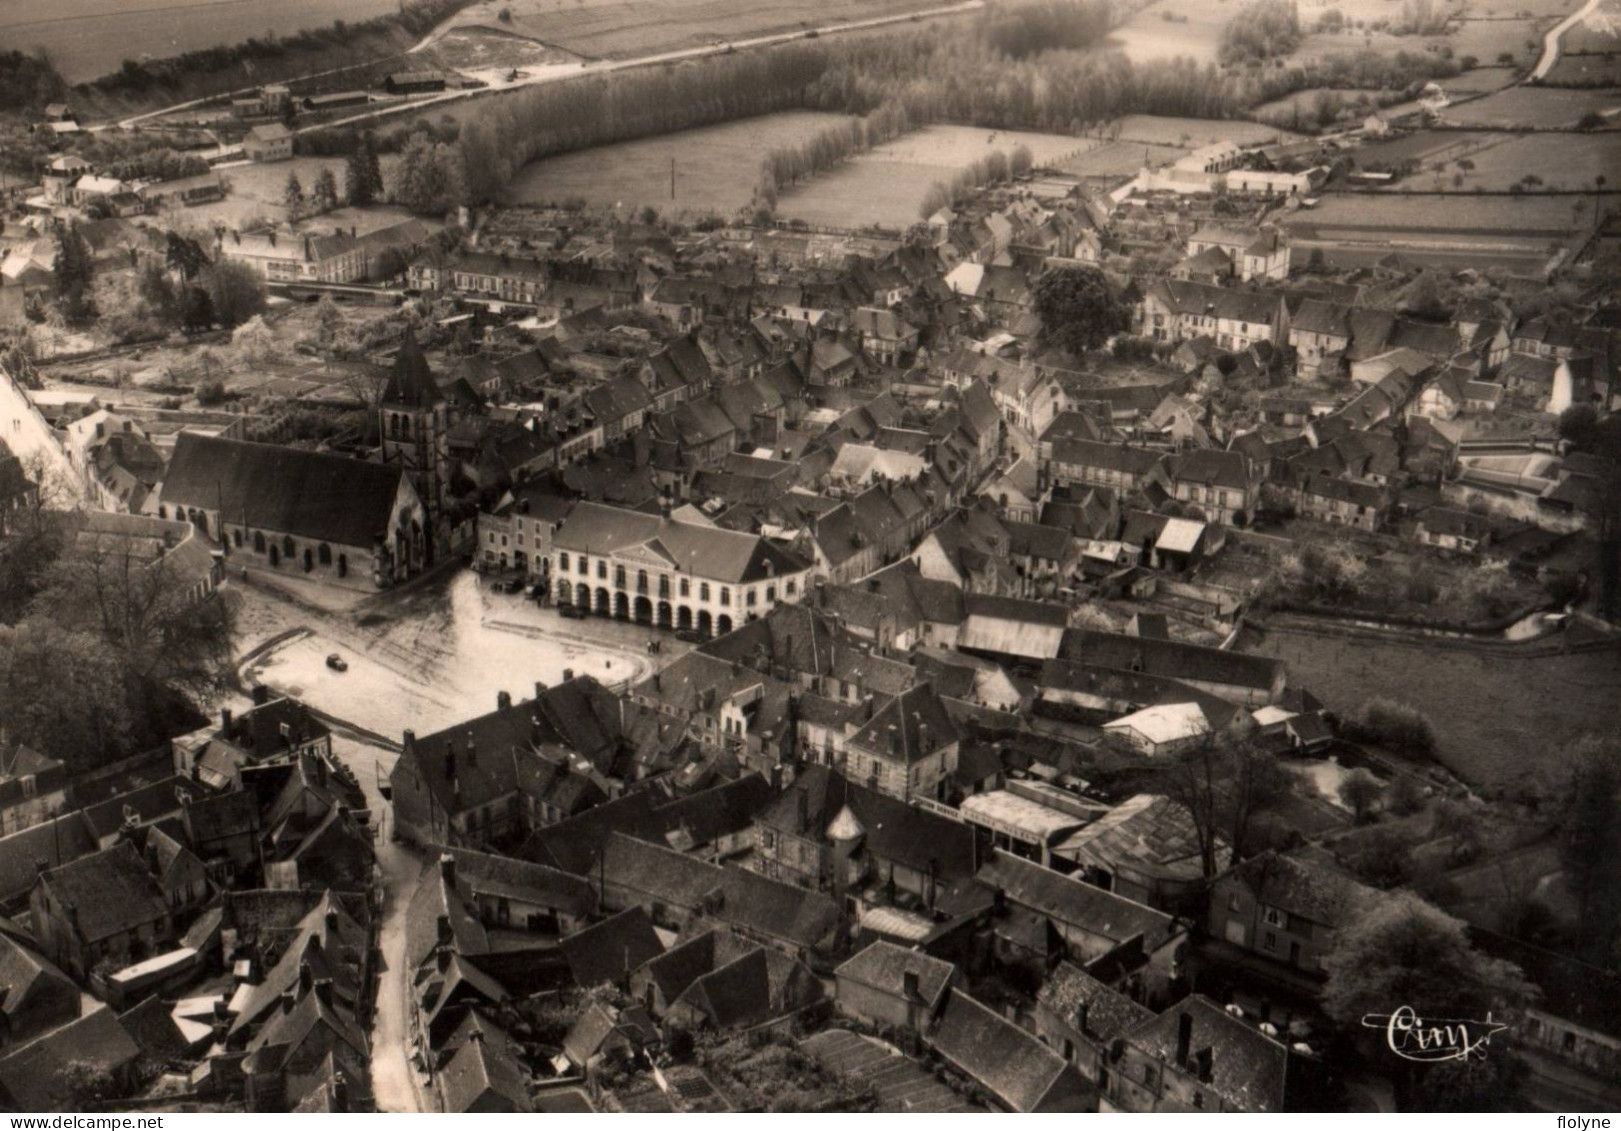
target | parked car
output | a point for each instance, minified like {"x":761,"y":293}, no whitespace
{"x":337,"y":663}
{"x":572,"y":612}
{"x":513,"y":586}
{"x":690,"y":635}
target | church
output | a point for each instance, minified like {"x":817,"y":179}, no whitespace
{"x":348,"y":522}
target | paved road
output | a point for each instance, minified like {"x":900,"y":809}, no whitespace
{"x":1550,"y":42}
{"x":563,"y":73}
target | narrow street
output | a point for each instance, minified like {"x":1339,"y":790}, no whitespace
{"x":393,"y":1083}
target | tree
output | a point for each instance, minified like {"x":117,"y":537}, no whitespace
{"x":235,"y":290}
{"x":1078,"y":309}
{"x":324,"y":196}
{"x":74,"y":275}
{"x":1579,"y":425}
{"x":1020,"y":160}
{"x":157,"y":293}
{"x":1226,"y":788}
{"x":197,"y":311}
{"x":1360,"y":791}
{"x":328,"y":322}
{"x":254,"y":341}
{"x":62,"y":692}
{"x":362,"y":175}
{"x":1404,"y":952}
{"x":1590,"y":846}
{"x":1398,"y":726}
{"x":184,"y":256}
{"x":292,"y":196}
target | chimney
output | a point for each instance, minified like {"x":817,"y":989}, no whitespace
{"x":923,"y":737}
{"x":910,"y":985}
{"x":41,"y":865}
{"x":540,"y":688}
{"x":1184,"y":1038}
{"x":306,"y":977}
{"x":446,"y":937}
{"x":803,"y":802}
{"x":340,"y":1092}
{"x":323,"y":992}
{"x":472,"y":752}
{"x":503,"y":701}
{"x":288,"y":1001}
{"x":409,"y":740}
{"x":221,"y":1012}
{"x":1080,"y":1018}
{"x":261,"y":695}
{"x":447,"y":869}
{"x":442,"y":957}
{"x":450,"y":766}
{"x":1202,"y":1061}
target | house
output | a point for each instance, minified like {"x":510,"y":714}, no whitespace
{"x":1174,"y":310}
{"x":526,"y":764}
{"x":344,"y":522}
{"x":908,"y":749}
{"x":1163,"y":730}
{"x":1019,"y":1072}
{"x":608,"y":951}
{"x":1197,"y":1056}
{"x":102,"y":908}
{"x":287,"y":256}
{"x":1343,"y":502}
{"x":1319,"y":331}
{"x":273,"y":728}
{"x":1047,"y":915}
{"x":1146,"y":849}
{"x":1448,"y":528}
{"x":889,"y":338}
{"x":39,"y":996}
{"x":1286,"y":909}
{"x":269,"y":142}
{"x":664,"y":571}
{"x":1253,"y":253}
{"x":484,"y":1070}
{"x":1097,"y":464}
{"x":33,"y":787}
{"x":1248,"y":680}
{"x":47,"y":1073}
{"x":1223,"y":485}
{"x":746,"y":991}
{"x":1082,"y":1019}
{"x":890,"y":987}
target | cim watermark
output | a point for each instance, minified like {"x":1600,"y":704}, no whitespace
{"x":1435,"y":1039}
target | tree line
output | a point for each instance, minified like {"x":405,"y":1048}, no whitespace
{"x":1262,"y":31}
{"x":788,"y":165}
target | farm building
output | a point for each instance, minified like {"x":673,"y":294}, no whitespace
{"x":270,"y":142}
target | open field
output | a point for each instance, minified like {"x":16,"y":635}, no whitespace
{"x":1586,"y":70}
{"x":617,"y":28}
{"x":1501,"y":160}
{"x":257,"y":191}
{"x":716,"y":168}
{"x":1537,"y":705}
{"x":1450,"y":231}
{"x":89,"y":38}
{"x":1121,"y":158}
{"x":1190,"y":133}
{"x":884,"y":187}
{"x":1194,"y":30}
{"x":1533,"y":107}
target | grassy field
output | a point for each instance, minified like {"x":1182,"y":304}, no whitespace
{"x":1533,"y":215}
{"x":619,"y":28}
{"x":1533,"y":107}
{"x":89,"y":38}
{"x":1193,"y":29}
{"x":1190,"y":133}
{"x":717,"y":167}
{"x":1502,"y":160}
{"x":885,"y":187}
{"x":1121,"y":158}
{"x":1499,"y":719}
{"x":1587,"y":70}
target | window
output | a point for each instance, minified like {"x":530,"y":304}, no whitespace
{"x":585,"y":566}
{"x":789,"y":589}
{"x":686,"y":587}
{"x":770,"y":594}
{"x":619,"y":577}
{"x":602,"y":571}
{"x":703,"y":591}
{"x":725,"y":596}
{"x":750,"y":598}
{"x":1271,"y":941}
{"x":1275,"y":918}
{"x":562,"y":562}
{"x":768,"y":838}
